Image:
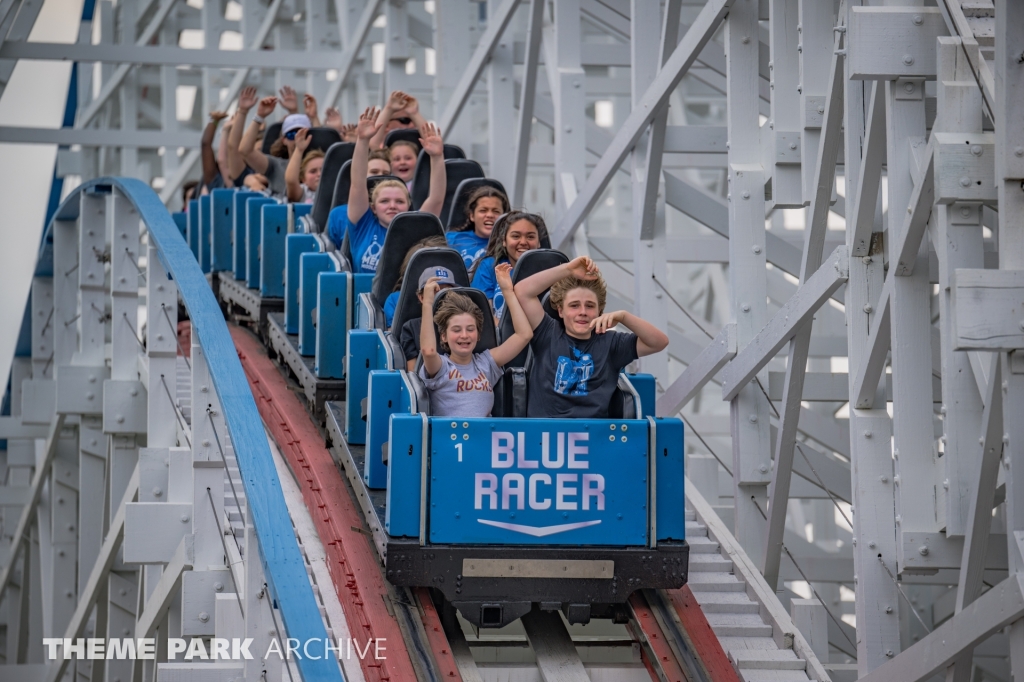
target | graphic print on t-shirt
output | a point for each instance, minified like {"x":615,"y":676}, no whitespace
{"x":371,"y":256}
{"x":477,"y":383}
{"x":572,"y":374}
{"x":471,"y":258}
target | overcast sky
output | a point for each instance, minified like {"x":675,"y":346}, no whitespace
{"x":34,"y":97}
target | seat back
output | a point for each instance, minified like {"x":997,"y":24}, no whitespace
{"x":324,"y":138}
{"x":488,"y":336}
{"x":456,"y":170}
{"x":530,"y":263}
{"x":270,"y":136}
{"x":343,"y":184}
{"x":407,"y":134}
{"x":451,"y":151}
{"x":335,"y":157}
{"x":625,"y":402}
{"x":457,"y":212}
{"x":405,"y":230}
{"x":510,"y":394}
{"x":409,"y":305}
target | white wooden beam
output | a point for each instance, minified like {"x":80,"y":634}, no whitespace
{"x":784,"y":324}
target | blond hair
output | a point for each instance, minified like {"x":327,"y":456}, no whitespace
{"x":561,"y":288}
{"x":385,"y":184}
{"x":310,"y":155}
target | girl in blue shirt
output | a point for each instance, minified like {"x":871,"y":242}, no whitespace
{"x":483,"y":208}
{"x":514,"y":234}
{"x":366,"y":218}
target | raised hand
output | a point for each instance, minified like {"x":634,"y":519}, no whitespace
{"x":412,"y":106}
{"x":302,"y":140}
{"x":332,"y":118}
{"x":289,"y":99}
{"x":430,"y":139}
{"x":602,"y":323}
{"x":503,"y":273}
{"x":309,"y":104}
{"x":348,"y":132}
{"x":218,"y":115}
{"x":247,"y":99}
{"x":583,"y":268}
{"x":397,"y":101}
{"x":266,"y":107}
{"x":368,"y":123}
{"x":430,"y":291}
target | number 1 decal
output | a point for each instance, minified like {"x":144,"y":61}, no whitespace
{"x":458,"y":448}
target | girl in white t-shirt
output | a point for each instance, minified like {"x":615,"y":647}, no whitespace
{"x":461,"y":383}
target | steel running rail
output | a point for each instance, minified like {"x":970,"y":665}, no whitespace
{"x":279,"y":551}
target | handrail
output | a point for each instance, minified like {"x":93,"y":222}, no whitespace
{"x":279,"y":551}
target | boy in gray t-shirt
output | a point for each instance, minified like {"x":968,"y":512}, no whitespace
{"x":461,"y":383}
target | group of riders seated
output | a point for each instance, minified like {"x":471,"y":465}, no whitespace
{"x":576,"y":352}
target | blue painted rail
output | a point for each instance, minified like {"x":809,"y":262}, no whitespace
{"x":279,"y":551}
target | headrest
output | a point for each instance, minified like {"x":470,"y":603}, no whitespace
{"x":460,"y":198}
{"x":407,"y":134}
{"x":323,"y":138}
{"x":530,"y":263}
{"x":456,"y":170}
{"x":344,"y":183}
{"x":538,"y":260}
{"x":270,"y":136}
{"x":488,"y":339}
{"x":451,"y":151}
{"x":335,"y":157}
{"x":545,"y":301}
{"x":375,"y":180}
{"x":405,"y":230}
{"x":436,"y":256}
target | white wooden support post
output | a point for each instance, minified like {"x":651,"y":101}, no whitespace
{"x":570,"y":97}
{"x":259,"y":615}
{"x":751,"y":448}
{"x":452,"y":49}
{"x":527,"y":98}
{"x":816,"y":48}
{"x":123,"y":240}
{"x":915,"y":448}
{"x":396,"y":41}
{"x":648,"y":222}
{"x":783,"y":131}
{"x":285,"y":38}
{"x":59,"y":541}
{"x":207,"y":466}
{"x":162,"y":350}
{"x":42,"y":332}
{"x":500,"y":105}
{"x":959,"y":244}
{"x":169,"y":83}
{"x":317,"y":40}
{"x":823,"y":171}
{"x":130,"y":95}
{"x":65,"y":291}
{"x":810,"y":618}
{"x":1009,"y":91}
{"x":878,"y":633}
